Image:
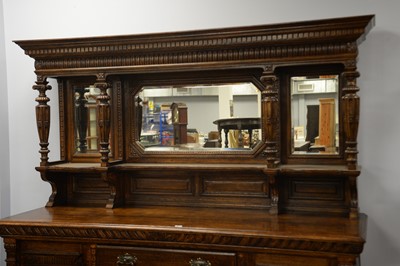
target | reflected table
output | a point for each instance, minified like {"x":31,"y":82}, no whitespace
{"x":239,"y":124}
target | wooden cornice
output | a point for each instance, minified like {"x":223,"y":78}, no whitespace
{"x":253,"y":45}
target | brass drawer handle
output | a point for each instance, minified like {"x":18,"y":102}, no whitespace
{"x":126,"y":259}
{"x":199,"y":262}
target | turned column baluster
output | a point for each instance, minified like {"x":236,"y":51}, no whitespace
{"x":43,"y":118}
{"x":104,"y":117}
{"x":270,"y":106}
{"x":81,"y":118}
{"x":351,"y":111}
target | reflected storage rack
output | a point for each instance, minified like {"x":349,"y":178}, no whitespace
{"x":126,"y":205}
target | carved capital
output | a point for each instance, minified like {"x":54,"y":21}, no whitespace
{"x":350,"y":65}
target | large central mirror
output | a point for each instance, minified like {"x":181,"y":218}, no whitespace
{"x":315,"y":115}
{"x":196,"y":117}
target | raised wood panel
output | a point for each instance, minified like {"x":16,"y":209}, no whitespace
{"x":287,"y":260}
{"x":50,"y":253}
{"x":198,"y":188}
{"x":316,"y":189}
{"x":107,"y":255}
{"x":241,"y":185}
{"x":324,"y":194}
{"x":88,"y":189}
{"x":161,"y":185}
{"x":89,"y":184}
{"x":58,"y":258}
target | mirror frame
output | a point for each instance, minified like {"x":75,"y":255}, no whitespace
{"x":135,"y":151}
{"x":286,"y":73}
{"x":66,"y":90}
{"x":264,"y":47}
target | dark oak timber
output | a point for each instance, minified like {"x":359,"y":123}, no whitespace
{"x":115,"y":202}
{"x":208,"y":231}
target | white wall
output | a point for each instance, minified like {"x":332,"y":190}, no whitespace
{"x":379,"y":183}
{"x":4,"y":151}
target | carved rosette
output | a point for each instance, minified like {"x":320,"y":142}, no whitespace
{"x":351,"y":111}
{"x":104,"y":117}
{"x":270,"y":105}
{"x":43,"y":118}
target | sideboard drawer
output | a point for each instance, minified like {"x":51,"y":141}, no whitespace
{"x":112,"y":255}
{"x":291,"y":260}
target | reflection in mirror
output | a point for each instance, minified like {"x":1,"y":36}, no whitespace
{"x":196,"y":117}
{"x":86,"y":128}
{"x":315,"y":116}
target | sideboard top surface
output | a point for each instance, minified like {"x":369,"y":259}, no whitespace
{"x":249,"y":223}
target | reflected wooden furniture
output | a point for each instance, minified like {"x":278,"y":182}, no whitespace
{"x":233,"y":123}
{"x":180,"y":121}
{"x":301,"y":145}
{"x":125,"y":205}
{"x":326,"y":131}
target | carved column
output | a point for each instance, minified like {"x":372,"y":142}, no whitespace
{"x":104,"y":117}
{"x":43,"y":118}
{"x":81,"y":118}
{"x":90,"y":255}
{"x":10,"y":245}
{"x":271,"y":131}
{"x":270,"y":106}
{"x":351,"y":111}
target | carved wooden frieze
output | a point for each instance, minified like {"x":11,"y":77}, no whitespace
{"x":183,"y":237}
{"x":330,"y":38}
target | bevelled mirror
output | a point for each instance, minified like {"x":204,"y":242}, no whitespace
{"x":314,"y":115}
{"x":85,"y":119}
{"x":212,"y":117}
